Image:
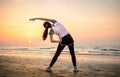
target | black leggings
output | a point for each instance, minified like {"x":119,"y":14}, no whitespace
{"x":59,"y":50}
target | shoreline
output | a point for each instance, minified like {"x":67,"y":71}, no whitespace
{"x":30,"y":64}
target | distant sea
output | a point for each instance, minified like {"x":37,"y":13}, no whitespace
{"x":111,"y":50}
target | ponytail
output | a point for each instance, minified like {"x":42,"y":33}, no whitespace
{"x":46,"y":25}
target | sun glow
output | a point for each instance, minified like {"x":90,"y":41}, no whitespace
{"x":30,"y":41}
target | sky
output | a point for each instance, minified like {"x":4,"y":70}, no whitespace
{"x":88,"y":21}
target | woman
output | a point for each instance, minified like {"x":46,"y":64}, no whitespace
{"x":64,"y":39}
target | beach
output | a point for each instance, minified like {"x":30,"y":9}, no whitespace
{"x":33,"y":64}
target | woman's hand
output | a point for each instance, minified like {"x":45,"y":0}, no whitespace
{"x":60,"y":39}
{"x":32,"y":19}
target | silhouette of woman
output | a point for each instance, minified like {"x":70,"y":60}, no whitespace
{"x":65,"y":39}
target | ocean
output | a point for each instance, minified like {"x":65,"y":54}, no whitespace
{"x":111,"y":50}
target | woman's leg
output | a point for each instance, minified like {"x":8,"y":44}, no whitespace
{"x":59,"y":49}
{"x":71,"y":48}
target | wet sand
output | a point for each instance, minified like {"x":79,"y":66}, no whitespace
{"x":33,"y":64}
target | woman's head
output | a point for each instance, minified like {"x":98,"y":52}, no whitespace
{"x":46,"y":25}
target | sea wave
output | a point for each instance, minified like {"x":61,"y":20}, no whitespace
{"x":79,"y":50}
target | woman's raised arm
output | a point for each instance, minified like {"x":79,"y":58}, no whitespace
{"x":44,"y":19}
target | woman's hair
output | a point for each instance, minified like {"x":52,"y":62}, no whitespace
{"x":46,"y":26}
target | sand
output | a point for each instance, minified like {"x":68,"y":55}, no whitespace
{"x":33,"y":64}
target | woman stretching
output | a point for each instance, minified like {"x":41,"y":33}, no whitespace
{"x":64,"y":39}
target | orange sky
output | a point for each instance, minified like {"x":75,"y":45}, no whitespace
{"x":89,"y":21}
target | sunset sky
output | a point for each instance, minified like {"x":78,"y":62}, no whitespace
{"x":88,"y":21}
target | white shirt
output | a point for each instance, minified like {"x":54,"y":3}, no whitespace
{"x":59,"y":29}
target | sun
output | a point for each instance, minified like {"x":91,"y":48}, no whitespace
{"x":30,"y":41}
